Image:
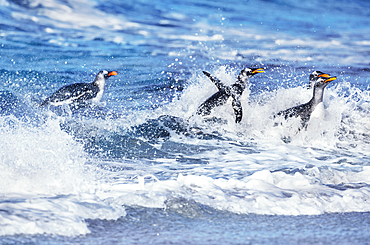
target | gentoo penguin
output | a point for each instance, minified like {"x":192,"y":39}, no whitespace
{"x":79,"y":94}
{"x":304,"y":111}
{"x":319,"y":111}
{"x":225,"y":92}
{"x":314,"y":76}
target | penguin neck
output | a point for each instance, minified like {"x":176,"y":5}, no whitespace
{"x":100,"y":83}
{"x":238,"y":88}
{"x":242,"y":83}
{"x":318,"y":94}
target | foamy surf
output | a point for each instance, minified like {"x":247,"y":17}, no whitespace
{"x":306,"y":191}
{"x":46,"y":182}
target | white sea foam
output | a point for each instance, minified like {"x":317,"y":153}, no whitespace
{"x":39,"y":160}
{"x":45,"y":184}
{"x":263,"y":192}
{"x":61,"y":215}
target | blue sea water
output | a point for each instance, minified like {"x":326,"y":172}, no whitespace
{"x":139,"y":167}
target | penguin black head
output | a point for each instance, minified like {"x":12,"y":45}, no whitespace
{"x":102,"y":76}
{"x":247,"y":73}
{"x":315,"y":76}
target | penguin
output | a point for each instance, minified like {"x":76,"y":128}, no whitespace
{"x":78,"y":94}
{"x":304,"y":111}
{"x":319,"y":111}
{"x":234,"y":91}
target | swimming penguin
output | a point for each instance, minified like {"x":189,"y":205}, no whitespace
{"x":80,"y":93}
{"x":319,"y":111}
{"x":225,"y":92}
{"x":314,"y":76}
{"x":304,"y":111}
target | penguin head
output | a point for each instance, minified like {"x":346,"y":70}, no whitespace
{"x":323,"y":81}
{"x":247,"y":73}
{"x":107,"y":74}
{"x":315,"y":76}
{"x":102,"y":76}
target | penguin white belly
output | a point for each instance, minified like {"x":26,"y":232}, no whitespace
{"x":98,"y":97}
{"x":319,"y":111}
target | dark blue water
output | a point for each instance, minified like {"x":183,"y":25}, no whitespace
{"x":139,"y":167}
{"x":220,"y":228}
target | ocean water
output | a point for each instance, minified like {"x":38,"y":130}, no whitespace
{"x":139,"y":167}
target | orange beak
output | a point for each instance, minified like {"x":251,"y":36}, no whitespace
{"x":330,"y":79}
{"x":112,"y":73}
{"x":259,"y":70}
{"x":324,"y":75}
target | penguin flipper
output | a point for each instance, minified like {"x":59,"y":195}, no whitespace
{"x":218,"y":99}
{"x":238,"y":110}
{"x":215,"y":81}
